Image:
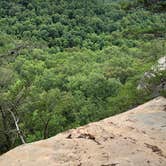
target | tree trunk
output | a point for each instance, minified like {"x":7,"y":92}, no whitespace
{"x":17,"y":128}
{"x":45,"y":132}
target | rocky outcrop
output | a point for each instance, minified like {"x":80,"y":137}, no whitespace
{"x":134,"y":138}
{"x":145,"y":82}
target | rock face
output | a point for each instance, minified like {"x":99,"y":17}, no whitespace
{"x":133,"y":138}
{"x":161,"y":65}
{"x":144,"y":83}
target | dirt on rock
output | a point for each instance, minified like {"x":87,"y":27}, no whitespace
{"x":134,"y":138}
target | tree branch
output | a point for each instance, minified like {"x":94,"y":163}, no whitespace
{"x":17,"y":127}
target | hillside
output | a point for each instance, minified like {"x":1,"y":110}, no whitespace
{"x":66,"y":63}
{"x":136,"y":137}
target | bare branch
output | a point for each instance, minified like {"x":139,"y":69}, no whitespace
{"x":17,"y":127}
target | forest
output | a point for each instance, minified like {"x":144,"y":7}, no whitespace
{"x":65,"y":63}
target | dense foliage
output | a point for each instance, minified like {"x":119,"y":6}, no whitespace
{"x":64,"y":63}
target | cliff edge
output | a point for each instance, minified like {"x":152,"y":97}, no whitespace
{"x":134,"y":138}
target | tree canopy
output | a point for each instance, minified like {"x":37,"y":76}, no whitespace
{"x":67,"y":63}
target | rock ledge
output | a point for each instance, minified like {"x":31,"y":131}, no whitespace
{"x":134,"y":138}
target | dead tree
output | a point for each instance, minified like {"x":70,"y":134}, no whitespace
{"x":16,"y":121}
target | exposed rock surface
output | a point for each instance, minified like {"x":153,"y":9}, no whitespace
{"x":133,"y":138}
{"x":145,"y":84}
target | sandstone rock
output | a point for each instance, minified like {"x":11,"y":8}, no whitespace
{"x":134,"y":138}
